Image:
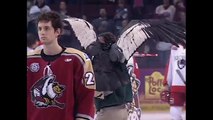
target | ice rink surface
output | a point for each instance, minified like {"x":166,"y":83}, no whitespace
{"x":158,"y":116}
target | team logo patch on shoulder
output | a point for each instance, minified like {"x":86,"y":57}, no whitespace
{"x":34,"y":67}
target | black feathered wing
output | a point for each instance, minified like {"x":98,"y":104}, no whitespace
{"x":83,"y":31}
{"x":137,"y":32}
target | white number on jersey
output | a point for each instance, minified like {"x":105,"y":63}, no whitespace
{"x":89,"y":78}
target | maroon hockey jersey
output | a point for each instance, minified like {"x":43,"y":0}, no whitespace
{"x":62,"y":89}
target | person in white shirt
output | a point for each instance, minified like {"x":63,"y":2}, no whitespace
{"x":39,"y":7}
{"x":165,"y":11}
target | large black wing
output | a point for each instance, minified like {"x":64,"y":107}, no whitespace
{"x":138,"y":31}
{"x":80,"y":31}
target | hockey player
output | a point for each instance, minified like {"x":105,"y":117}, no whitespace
{"x":60,"y":81}
{"x":175,"y":81}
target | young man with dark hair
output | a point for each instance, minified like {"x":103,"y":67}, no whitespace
{"x":60,"y":81}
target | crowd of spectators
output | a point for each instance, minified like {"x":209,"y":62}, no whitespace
{"x":110,"y":15}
